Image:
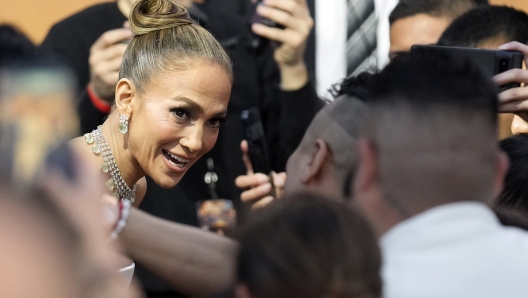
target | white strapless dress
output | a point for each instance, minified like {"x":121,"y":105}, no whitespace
{"x":127,"y":272}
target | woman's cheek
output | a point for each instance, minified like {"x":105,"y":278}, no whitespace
{"x":210,"y":140}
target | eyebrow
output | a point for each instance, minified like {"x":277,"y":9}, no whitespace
{"x":194,"y":106}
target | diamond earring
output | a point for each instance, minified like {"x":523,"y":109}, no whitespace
{"x":123,"y":124}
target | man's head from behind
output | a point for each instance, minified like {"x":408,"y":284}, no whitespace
{"x":487,"y":27}
{"x":327,"y":152}
{"x":429,"y":139}
{"x":423,"y":21}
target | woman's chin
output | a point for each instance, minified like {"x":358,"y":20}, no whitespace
{"x":167,"y":182}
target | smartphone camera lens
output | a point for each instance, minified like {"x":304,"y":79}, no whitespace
{"x":503,"y":64}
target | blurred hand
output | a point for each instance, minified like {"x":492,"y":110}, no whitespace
{"x":294,"y":15}
{"x":257,"y":184}
{"x":106,"y":55}
{"x":514,"y":100}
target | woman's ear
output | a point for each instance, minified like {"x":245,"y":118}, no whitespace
{"x":125,"y":94}
{"x":316,"y":161}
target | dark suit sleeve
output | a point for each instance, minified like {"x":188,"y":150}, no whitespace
{"x":285,"y":114}
{"x":299,"y":108}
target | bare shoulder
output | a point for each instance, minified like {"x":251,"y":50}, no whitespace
{"x":80,"y":146}
{"x":141,"y":190}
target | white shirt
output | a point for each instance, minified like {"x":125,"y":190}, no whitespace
{"x":455,"y":250}
{"x":331,"y":32}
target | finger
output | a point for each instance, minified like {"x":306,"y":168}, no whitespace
{"x":511,"y":76}
{"x":514,"y":107}
{"x":280,"y":17}
{"x":262,"y":203}
{"x":294,"y":7}
{"x":112,"y":37}
{"x":513,"y":95}
{"x":245,"y":157}
{"x":282,"y":36}
{"x":249,"y":181}
{"x":107,"y":76}
{"x":279,"y":179}
{"x":256,"y":193}
{"x":113,"y":52}
{"x":516,"y":46}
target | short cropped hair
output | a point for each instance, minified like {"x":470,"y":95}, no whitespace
{"x":435,"y":8}
{"x":484,"y":23}
{"x":515,"y":194}
{"x":309,"y":246}
{"x":339,"y":123}
{"x":432,"y":119}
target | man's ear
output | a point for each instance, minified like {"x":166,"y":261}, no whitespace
{"x":316,"y":161}
{"x":367,"y":171}
{"x":503,"y":164}
{"x":125,"y":93}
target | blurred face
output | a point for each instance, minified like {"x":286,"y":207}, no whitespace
{"x":176,"y":120}
{"x":419,"y":29}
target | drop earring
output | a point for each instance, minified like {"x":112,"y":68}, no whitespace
{"x":123,"y":124}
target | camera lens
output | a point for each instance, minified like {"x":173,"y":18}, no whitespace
{"x":503,"y":64}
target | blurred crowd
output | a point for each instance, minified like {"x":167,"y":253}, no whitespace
{"x":194,"y":148}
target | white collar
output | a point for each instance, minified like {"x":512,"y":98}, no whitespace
{"x":438,"y":224}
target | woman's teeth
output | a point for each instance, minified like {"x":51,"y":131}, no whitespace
{"x":175,"y":160}
{"x":178,"y":158}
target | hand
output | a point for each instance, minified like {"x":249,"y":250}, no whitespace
{"x":106,"y":55}
{"x":294,"y":15}
{"x":514,"y":100}
{"x":259,"y":185}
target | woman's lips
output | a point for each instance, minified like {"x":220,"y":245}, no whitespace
{"x":175,"y":163}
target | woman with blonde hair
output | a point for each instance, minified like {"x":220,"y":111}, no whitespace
{"x":172,"y":95}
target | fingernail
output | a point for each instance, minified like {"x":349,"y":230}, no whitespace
{"x":504,"y":46}
{"x":266,"y":187}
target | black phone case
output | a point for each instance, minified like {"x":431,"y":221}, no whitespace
{"x":254,"y":134}
{"x":488,"y":60}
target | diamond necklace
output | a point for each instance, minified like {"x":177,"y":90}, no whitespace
{"x":109,"y":166}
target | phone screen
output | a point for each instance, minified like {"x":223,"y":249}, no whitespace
{"x":37,"y":116}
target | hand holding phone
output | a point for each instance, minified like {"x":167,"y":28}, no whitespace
{"x":515,"y":100}
{"x":257,"y":145}
{"x":257,"y":186}
{"x":286,"y":22}
{"x":105,"y":59}
{"x":491,"y":62}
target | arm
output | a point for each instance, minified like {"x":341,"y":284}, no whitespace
{"x":289,"y":109}
{"x":193,"y":261}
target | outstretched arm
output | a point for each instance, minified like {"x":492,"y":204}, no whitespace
{"x":194,"y":262}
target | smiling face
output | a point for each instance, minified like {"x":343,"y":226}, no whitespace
{"x":175,"y":120}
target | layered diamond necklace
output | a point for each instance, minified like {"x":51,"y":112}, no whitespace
{"x":116,"y":182}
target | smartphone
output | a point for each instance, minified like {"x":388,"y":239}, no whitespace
{"x":492,"y":62}
{"x":257,"y":148}
{"x":257,"y":44}
{"x":37,"y":116}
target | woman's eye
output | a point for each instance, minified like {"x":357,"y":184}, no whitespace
{"x":215,"y":122}
{"x":181,"y":114}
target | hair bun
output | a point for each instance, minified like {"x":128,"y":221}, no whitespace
{"x":153,"y":15}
